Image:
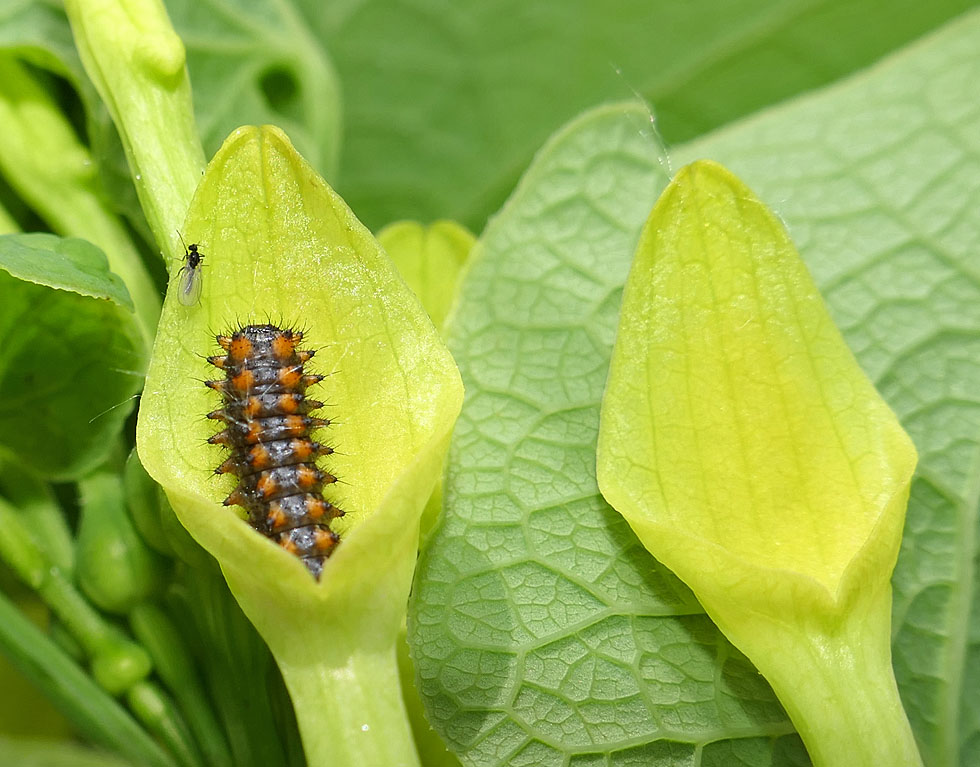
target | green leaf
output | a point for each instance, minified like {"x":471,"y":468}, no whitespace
{"x":430,"y":259}
{"x":44,"y":160}
{"x":259,"y":63}
{"x":752,"y":456}
{"x":70,"y":364}
{"x":877,"y":181}
{"x":446,"y":102}
{"x":280,"y":243}
{"x":63,"y":263}
{"x":541,"y":628}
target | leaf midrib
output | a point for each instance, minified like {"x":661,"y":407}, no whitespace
{"x":963,"y":589}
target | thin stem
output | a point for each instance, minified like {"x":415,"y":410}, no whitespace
{"x":837,"y":685}
{"x":92,"y":710}
{"x":158,"y":713}
{"x":45,"y":520}
{"x":176,"y":668}
{"x":350,"y":709}
{"x":117,"y":662}
{"x":82,"y":620}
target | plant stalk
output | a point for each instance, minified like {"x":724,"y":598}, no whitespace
{"x":136,"y":62}
{"x":73,"y":692}
{"x":352,"y":712}
{"x":838,"y":686}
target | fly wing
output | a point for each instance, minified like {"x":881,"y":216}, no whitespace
{"x":189,"y":286}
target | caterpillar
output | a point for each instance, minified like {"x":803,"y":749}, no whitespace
{"x":268,"y":430}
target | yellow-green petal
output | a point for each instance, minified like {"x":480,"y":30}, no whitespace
{"x":430,"y":259}
{"x":753,"y":457}
{"x":280,"y":245}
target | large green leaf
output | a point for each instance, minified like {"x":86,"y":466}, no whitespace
{"x":446,"y":102}
{"x":878,"y":181}
{"x":542,"y":630}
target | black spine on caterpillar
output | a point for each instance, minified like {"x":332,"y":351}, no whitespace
{"x":268,"y":429}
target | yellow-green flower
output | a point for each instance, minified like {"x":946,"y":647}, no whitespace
{"x":753,"y":457}
{"x":280,"y":245}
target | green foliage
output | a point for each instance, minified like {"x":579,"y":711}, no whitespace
{"x":542,"y":631}
{"x":71,"y":360}
{"x":47,"y":164}
{"x":260,"y":63}
{"x":96,"y":714}
{"x":541,"y":626}
{"x":446,"y":102}
{"x":801,"y":158}
{"x":67,"y":264}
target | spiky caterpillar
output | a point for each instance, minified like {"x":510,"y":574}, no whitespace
{"x":268,"y":430}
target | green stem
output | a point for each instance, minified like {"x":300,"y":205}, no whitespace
{"x":349,"y":708}
{"x":136,"y":62}
{"x":52,"y":170}
{"x":117,"y":662}
{"x":174,"y":666}
{"x":837,"y":685}
{"x":96,"y":714}
{"x":76,"y":614}
{"x":44,"y":519}
{"x":158,"y":713}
